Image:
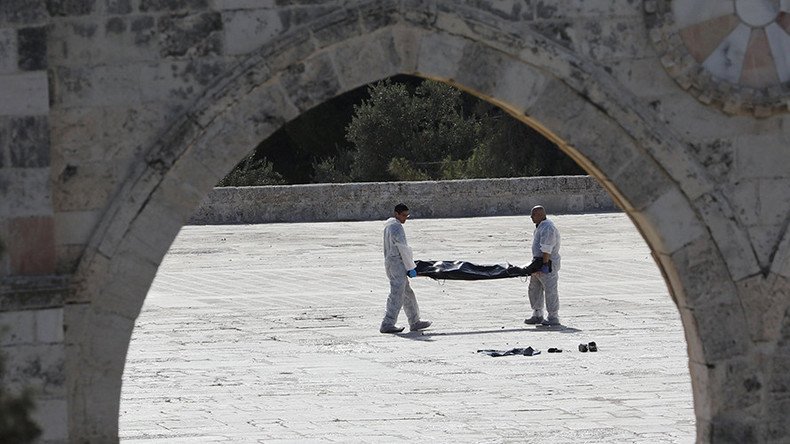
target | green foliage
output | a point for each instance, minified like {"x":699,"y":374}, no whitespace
{"x":252,"y":172}
{"x":401,"y":129}
{"x":417,"y":129}
{"x":428,"y":135}
{"x":15,"y":423}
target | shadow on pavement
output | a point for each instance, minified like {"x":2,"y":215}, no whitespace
{"x":428,"y":335}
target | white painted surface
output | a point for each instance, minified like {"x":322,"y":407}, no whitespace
{"x":238,"y":342}
{"x":779,"y":41}
{"x":726,"y":61}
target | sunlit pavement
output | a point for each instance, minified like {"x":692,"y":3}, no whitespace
{"x":270,"y":333}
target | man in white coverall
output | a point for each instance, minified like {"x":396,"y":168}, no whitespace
{"x":543,"y":283}
{"x":399,"y":264}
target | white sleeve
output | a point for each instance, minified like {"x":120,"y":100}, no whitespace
{"x":548,"y":240}
{"x":406,"y":254}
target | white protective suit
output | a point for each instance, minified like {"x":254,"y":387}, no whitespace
{"x":398,"y":260}
{"x":543,"y":286}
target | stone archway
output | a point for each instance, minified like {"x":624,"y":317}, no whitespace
{"x":570,"y":100}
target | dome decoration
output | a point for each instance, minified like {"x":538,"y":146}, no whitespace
{"x":731,"y":53}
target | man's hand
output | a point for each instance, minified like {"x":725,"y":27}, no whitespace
{"x":546,"y":268}
{"x":412,"y":273}
{"x":535,"y":266}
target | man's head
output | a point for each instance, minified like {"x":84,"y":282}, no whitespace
{"x":538,"y":214}
{"x":401,"y":213}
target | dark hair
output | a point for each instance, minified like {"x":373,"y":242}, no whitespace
{"x":400,"y":208}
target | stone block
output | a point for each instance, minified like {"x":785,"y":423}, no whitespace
{"x":723,"y":330}
{"x":75,"y":227}
{"x":311,"y":82}
{"x":407,"y":46}
{"x":66,"y":8}
{"x":31,"y":245}
{"x":698,"y":270}
{"x":781,"y":261}
{"x":28,"y":141}
{"x":377,"y":15}
{"x":574,"y":9}
{"x":760,"y":157}
{"x":110,"y":86}
{"x":779,"y":382}
{"x":264,"y":110}
{"x":68,"y":258}
{"x":52,"y":416}
{"x":25,"y":191}
{"x":118,"y":6}
{"x":730,"y":237}
{"x":24,"y":94}
{"x":222,"y":5}
{"x":23,"y":12}
{"x":598,"y":138}
{"x":439,"y":56}
{"x":612,"y":39}
{"x":764,"y":241}
{"x":196,"y":35}
{"x":32,"y":48}
{"x":49,"y":325}
{"x":132,"y":273}
{"x":37,"y":366}
{"x":337,"y":26}
{"x":178,"y":84}
{"x":716,"y":156}
{"x":17,"y":327}
{"x":500,"y":77}
{"x":764,"y":303}
{"x":366,"y":60}
{"x":641,"y":182}
{"x":172,"y":5}
{"x":743,"y":197}
{"x":84,"y":186}
{"x":247,"y":29}
{"x":8,"y":51}
{"x":670,"y":223}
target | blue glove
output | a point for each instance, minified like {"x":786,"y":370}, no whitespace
{"x":412,"y":273}
{"x":546,"y":268}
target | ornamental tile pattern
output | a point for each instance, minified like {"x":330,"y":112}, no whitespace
{"x":729,"y":53}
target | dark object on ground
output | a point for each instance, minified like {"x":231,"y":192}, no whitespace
{"x":529,"y":351}
{"x":592,"y":346}
{"x":554,"y":350}
{"x":467,"y":271}
{"x":583,"y":348}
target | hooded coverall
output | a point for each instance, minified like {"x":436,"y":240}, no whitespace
{"x":398,"y":259}
{"x":543,"y":286}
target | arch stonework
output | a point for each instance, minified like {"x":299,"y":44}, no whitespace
{"x":732,"y":295}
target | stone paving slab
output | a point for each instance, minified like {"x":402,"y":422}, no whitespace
{"x":269,"y":333}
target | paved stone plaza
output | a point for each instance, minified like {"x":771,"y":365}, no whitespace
{"x":270,"y":333}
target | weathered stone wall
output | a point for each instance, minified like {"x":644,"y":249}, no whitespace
{"x":118,"y":116}
{"x":374,"y":201}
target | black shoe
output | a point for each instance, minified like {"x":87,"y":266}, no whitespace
{"x":592,"y":346}
{"x":390,"y":329}
{"x":551,"y":322}
{"x":554,"y":350}
{"x":583,"y":348}
{"x":534,"y":320}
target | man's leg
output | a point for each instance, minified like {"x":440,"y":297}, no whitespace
{"x":410,"y":305}
{"x":536,"y":297}
{"x":398,"y":285}
{"x":550,"y":284}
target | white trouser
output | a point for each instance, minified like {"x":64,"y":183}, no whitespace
{"x":401,"y":294}
{"x":543,"y":287}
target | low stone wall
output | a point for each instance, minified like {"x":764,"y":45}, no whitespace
{"x":375,"y":201}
